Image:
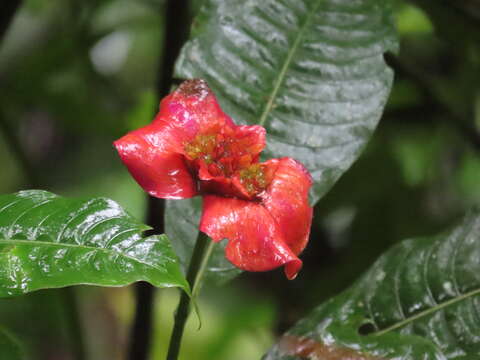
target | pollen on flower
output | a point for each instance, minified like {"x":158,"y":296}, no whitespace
{"x":254,"y":179}
{"x":225,"y":155}
{"x":202,"y":147}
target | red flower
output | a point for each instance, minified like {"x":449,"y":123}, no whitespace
{"x":193,"y":148}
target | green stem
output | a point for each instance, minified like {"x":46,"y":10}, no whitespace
{"x":196,"y":269}
{"x":203,"y":266}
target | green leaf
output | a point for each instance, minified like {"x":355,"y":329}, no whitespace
{"x":181,"y":225}
{"x":47,"y":241}
{"x":9,"y":347}
{"x":311,"y":72}
{"x":420,"y":300}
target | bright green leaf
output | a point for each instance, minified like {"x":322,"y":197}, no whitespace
{"x":311,"y":72}
{"x":47,"y":241}
{"x":420,"y":300}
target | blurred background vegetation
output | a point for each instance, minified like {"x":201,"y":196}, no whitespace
{"x":76,"y":75}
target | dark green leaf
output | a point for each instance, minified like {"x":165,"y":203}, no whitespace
{"x":9,"y":348}
{"x":420,"y":300}
{"x":181,"y":225}
{"x":47,"y":241}
{"x":311,"y":72}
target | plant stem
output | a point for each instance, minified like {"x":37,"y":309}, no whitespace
{"x":141,"y":330}
{"x":197,"y":284}
{"x":177,"y":22}
{"x":196,"y":269}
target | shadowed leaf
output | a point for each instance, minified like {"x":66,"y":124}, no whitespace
{"x":420,"y":300}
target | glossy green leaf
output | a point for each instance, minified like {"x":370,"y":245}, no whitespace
{"x":9,"y":348}
{"x":420,"y":300}
{"x":181,"y":225}
{"x":312,"y":72}
{"x":47,"y":241}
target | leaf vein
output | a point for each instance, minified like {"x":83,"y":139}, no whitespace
{"x":286,"y":65}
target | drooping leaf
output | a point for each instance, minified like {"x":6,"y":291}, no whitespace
{"x":47,"y":241}
{"x":311,"y":72}
{"x":420,"y":300}
{"x":9,"y":347}
{"x":181,"y":225}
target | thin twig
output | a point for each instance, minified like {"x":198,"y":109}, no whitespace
{"x":177,"y":21}
{"x":196,"y":269}
{"x":141,"y":331}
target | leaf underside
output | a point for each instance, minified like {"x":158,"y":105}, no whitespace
{"x":420,"y":300}
{"x":47,"y":241}
{"x":312,"y":72}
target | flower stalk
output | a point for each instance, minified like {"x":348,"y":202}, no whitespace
{"x":196,"y":270}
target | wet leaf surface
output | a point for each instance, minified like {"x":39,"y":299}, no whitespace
{"x":47,"y":241}
{"x":311,"y":72}
{"x":420,"y":300}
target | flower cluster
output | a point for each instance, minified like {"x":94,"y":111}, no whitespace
{"x":193,"y":148}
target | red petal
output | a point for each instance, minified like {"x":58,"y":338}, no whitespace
{"x":152,"y":156}
{"x":255,"y":241}
{"x":252,"y":139}
{"x":286,"y":199}
{"x":154,"y":153}
{"x":195,"y":103}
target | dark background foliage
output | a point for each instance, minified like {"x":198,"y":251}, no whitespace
{"x":76,"y":75}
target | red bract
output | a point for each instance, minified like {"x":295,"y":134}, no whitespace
{"x":193,"y":148}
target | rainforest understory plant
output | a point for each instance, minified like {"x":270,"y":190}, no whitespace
{"x":193,"y":148}
{"x":261,"y":198}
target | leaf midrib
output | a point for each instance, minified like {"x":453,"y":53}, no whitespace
{"x":76,"y":246}
{"x":276,"y":88}
{"x":427,"y":312}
